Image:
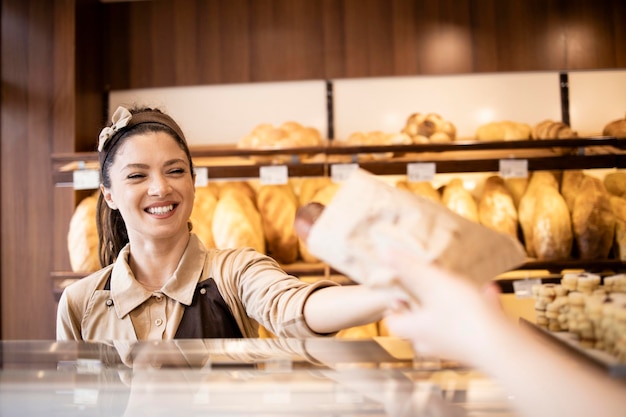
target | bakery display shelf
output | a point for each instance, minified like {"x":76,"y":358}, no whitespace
{"x":320,"y":270}
{"x":229,"y":161}
{"x":570,"y":342}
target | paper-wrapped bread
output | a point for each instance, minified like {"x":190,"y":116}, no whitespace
{"x":366,"y":213}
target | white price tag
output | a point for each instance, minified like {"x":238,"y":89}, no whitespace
{"x":421,"y":171}
{"x":275,"y":174}
{"x":523,"y":288}
{"x":341,"y":172}
{"x":514,"y":168}
{"x":202,"y":176}
{"x":86,"y":179}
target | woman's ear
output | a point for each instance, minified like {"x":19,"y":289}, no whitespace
{"x":108,"y":198}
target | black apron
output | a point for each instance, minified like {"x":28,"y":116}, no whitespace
{"x":208,"y":316}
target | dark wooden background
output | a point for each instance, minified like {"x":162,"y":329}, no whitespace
{"x":171,"y":43}
{"x":61,"y":57}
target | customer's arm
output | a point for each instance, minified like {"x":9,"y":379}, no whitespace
{"x":456,"y":319}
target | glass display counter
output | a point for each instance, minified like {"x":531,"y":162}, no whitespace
{"x":239,"y":377}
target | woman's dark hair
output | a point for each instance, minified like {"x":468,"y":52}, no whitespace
{"x":112,"y":233}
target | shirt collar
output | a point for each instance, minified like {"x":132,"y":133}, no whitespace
{"x":128,"y":294}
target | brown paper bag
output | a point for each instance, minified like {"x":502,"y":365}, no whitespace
{"x":367,"y":213}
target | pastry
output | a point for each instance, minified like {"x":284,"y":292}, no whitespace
{"x":550,"y":129}
{"x":429,"y":128}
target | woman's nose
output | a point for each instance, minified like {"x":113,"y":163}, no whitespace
{"x":159,"y":186}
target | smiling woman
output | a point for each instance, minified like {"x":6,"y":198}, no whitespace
{"x":159,"y":281}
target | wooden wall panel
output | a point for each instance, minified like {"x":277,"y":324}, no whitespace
{"x":32,"y":97}
{"x":217,"y":41}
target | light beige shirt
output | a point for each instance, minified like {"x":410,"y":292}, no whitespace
{"x":252,"y":285}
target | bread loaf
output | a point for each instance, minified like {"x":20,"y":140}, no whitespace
{"x":423,"y":188}
{"x":550,"y":129}
{"x":593,"y":220}
{"x":544,"y":218}
{"x":82,"y":237}
{"x":570,"y":186}
{"x":323,"y":195}
{"x":238,"y":187}
{"x":503,"y":130}
{"x":309,"y":187}
{"x":277,"y":205}
{"x":616,"y":128}
{"x":496,"y":208}
{"x":202,"y":215}
{"x":237,"y":223}
{"x":460,"y":200}
{"x":429,"y":128}
{"x":618,"y":205}
{"x":552,"y":227}
{"x":517,"y":187}
{"x":615,"y":183}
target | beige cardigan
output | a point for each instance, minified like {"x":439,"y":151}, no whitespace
{"x":252,"y":284}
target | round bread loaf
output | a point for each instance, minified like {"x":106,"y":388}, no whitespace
{"x":615,"y":128}
{"x":82,"y":237}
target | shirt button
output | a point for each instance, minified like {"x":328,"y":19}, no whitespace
{"x":158,"y":297}
{"x":202,"y":291}
{"x":158,"y":322}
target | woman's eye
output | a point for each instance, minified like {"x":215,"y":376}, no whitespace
{"x":135,"y":176}
{"x":177,"y":171}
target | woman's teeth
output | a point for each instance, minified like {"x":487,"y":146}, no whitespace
{"x":161,"y":210}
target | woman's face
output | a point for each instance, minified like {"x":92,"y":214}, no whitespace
{"x":151,"y":186}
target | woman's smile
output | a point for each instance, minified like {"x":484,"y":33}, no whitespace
{"x":161,"y":210}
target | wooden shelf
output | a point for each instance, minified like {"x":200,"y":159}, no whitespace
{"x":229,"y":161}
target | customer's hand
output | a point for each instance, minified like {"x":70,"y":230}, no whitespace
{"x":452,"y":317}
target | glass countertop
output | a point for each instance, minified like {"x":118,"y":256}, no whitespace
{"x":239,"y":377}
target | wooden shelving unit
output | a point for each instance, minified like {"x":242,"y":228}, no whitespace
{"x":229,"y":161}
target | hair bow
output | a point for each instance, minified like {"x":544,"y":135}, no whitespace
{"x":120,"y":119}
